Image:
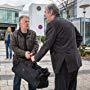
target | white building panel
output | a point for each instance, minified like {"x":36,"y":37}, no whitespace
{"x":36,"y":14}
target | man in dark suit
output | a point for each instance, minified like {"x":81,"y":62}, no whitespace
{"x":62,"y":39}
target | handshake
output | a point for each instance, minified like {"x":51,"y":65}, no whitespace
{"x":29,"y":56}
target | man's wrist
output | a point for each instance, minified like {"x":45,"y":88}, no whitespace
{"x":32,"y":58}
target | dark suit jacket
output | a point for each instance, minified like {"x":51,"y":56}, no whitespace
{"x":62,"y":39}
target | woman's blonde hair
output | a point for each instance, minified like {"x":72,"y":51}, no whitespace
{"x":9,"y":30}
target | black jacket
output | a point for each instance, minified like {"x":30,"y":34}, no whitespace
{"x":62,"y":39}
{"x":20,"y":45}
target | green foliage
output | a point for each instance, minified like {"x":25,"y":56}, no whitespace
{"x":84,"y":51}
{"x":41,"y":38}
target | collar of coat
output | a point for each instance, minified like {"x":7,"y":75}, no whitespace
{"x":20,"y":33}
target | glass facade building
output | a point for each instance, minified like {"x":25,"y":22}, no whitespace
{"x":9,"y":16}
{"x":87,"y":30}
{"x":79,"y":23}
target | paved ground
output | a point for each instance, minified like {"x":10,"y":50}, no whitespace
{"x":6,"y":74}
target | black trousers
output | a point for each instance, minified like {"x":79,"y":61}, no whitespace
{"x":65,"y":80}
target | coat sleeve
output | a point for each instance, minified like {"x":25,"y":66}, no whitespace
{"x":49,"y":41}
{"x":79,"y":38}
{"x":36,"y":45}
{"x":14,"y":46}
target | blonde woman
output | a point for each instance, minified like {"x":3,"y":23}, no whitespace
{"x":7,"y":42}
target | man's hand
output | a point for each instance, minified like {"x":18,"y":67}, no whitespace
{"x":27,"y":55}
{"x":33,"y":59}
{"x":31,"y":54}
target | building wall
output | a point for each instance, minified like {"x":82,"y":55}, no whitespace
{"x":71,"y":6}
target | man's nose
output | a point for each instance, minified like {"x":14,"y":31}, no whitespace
{"x":44,"y":16}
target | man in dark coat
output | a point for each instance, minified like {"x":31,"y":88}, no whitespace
{"x":24,"y":44}
{"x":63,"y":40}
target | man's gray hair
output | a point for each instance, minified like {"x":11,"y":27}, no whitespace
{"x":54,"y":8}
{"x":22,"y":17}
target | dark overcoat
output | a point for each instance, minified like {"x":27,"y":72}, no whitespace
{"x":63,"y":40}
